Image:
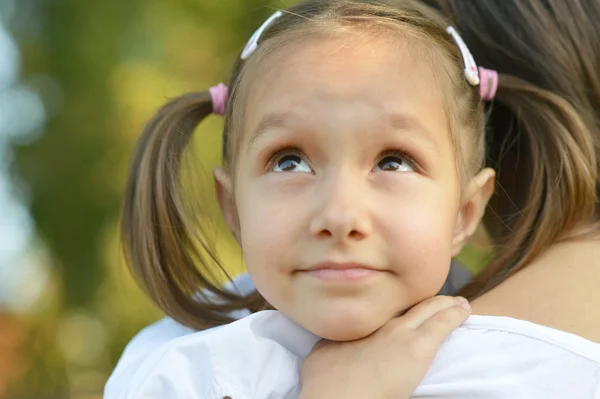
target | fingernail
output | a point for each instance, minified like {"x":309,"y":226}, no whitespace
{"x":464,"y":302}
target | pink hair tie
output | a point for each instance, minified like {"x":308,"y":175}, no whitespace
{"x":219,"y":95}
{"x":488,"y":83}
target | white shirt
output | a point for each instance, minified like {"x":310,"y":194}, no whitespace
{"x":260,"y":355}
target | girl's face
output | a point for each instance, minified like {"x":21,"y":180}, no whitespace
{"x":346,"y":199}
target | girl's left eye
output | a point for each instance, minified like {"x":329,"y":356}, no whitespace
{"x":395,"y":163}
{"x":290,"y":162}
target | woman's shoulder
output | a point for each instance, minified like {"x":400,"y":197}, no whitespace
{"x":495,"y":331}
{"x":498,"y":357}
{"x":167,"y":329}
{"x":153,"y":344}
{"x":229,"y":360}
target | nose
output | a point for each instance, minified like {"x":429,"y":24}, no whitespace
{"x":342,"y":212}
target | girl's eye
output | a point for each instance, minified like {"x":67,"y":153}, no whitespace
{"x":395,"y":163}
{"x":291,"y":163}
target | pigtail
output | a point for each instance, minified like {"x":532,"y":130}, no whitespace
{"x":547,"y":177}
{"x":165,"y":246}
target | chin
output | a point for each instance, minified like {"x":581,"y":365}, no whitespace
{"x":345,"y":327}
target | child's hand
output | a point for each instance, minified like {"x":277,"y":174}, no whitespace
{"x":387,"y":364}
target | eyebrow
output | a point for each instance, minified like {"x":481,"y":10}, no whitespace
{"x":397,"y":122}
{"x":407,"y":122}
{"x":268,"y":122}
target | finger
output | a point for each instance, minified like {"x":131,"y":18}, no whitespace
{"x":439,"y":326}
{"x":421,"y":312}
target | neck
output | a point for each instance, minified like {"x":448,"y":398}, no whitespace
{"x":582,"y":233}
{"x":559,"y":289}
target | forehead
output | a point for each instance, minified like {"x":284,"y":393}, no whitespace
{"x":319,"y":77}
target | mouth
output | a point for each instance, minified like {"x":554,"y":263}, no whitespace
{"x":334,"y":271}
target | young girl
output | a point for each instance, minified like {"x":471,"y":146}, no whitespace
{"x":340,"y":109}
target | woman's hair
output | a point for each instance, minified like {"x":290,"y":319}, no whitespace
{"x":167,"y":244}
{"x":543,"y":133}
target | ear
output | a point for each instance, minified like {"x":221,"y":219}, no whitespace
{"x":224,"y":185}
{"x":475,"y":200}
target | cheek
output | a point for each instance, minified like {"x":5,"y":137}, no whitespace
{"x":272,"y":213}
{"x":420,"y":235}
{"x":267,"y":233}
{"x":265,"y":222}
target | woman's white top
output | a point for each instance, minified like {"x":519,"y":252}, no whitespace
{"x":259,"y":356}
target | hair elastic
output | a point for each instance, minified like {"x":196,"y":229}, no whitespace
{"x":489,"y":83}
{"x":219,"y":95}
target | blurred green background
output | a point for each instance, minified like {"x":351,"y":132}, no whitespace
{"x":78,"y":79}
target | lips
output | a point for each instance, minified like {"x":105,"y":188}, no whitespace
{"x":335,"y":271}
{"x":338,"y":266}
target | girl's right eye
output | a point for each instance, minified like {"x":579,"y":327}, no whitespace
{"x":290,"y":162}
